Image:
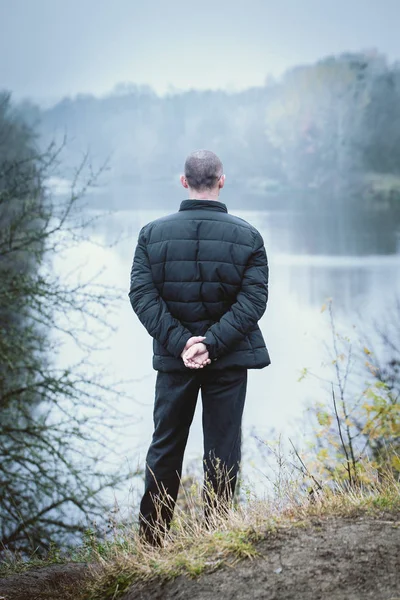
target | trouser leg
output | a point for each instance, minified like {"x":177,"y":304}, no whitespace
{"x":175,"y":403}
{"x":223,"y":396}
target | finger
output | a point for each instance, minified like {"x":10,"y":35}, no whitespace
{"x":189,"y":343}
{"x":194,"y":340}
{"x":205,"y":361}
{"x":189,"y":354}
{"x":190,"y":364}
{"x":192,"y":351}
{"x":196,"y":357}
{"x":200,"y":360}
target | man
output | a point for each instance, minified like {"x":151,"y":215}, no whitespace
{"x":199,"y":284}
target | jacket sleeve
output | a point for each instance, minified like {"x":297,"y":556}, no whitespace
{"x":248,"y":308}
{"x":150,"y":307}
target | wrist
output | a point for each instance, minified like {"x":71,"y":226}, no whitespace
{"x":209,"y":347}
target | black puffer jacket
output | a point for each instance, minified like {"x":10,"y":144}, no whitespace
{"x":202,"y":271}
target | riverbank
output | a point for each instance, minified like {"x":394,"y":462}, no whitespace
{"x":336,"y":546}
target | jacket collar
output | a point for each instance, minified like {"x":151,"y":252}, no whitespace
{"x":203,"y":204}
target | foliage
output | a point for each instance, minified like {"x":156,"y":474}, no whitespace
{"x":357,"y":434}
{"x":315,"y":121}
{"x":53,"y":431}
{"x":317,"y":139}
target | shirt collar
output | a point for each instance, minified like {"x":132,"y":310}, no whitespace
{"x":203,"y":204}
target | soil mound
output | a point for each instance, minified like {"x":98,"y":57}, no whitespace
{"x":334,"y":559}
{"x":48,"y":583}
{"x":329,"y":559}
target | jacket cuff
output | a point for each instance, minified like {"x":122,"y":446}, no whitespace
{"x":211,"y":344}
{"x":182,"y":344}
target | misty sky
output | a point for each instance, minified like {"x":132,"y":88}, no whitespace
{"x":52,"y":48}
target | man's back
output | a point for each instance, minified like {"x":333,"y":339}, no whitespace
{"x":199,"y":284}
{"x":200,"y":259}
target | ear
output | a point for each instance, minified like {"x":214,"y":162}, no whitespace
{"x":184,"y":181}
{"x":221,"y":181}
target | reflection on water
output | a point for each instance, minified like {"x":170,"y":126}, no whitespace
{"x":332,"y":234}
{"x":355,"y":261}
{"x":294,"y":233}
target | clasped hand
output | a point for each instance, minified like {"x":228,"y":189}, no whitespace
{"x":195,"y":353}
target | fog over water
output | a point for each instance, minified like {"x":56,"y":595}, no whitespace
{"x":294,"y":327}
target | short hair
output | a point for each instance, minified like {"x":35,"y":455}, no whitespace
{"x":202,"y":170}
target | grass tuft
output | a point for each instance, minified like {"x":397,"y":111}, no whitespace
{"x":192,"y":548}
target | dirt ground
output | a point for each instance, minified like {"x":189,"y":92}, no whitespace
{"x":332,"y":559}
{"x":47,"y":583}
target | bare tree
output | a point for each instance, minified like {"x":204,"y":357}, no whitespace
{"x":55,"y":421}
{"x":358,"y":431}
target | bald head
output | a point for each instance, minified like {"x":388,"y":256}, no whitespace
{"x":203,"y":169}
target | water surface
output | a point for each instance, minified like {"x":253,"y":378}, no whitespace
{"x":356,"y":262}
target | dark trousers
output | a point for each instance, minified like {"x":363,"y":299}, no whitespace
{"x":223,"y":395}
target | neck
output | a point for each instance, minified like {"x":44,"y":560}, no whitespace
{"x":206,"y":195}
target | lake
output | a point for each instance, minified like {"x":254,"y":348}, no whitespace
{"x":355,"y":261}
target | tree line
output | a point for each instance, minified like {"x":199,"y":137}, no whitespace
{"x":324,"y":136}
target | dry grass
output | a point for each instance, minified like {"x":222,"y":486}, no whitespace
{"x":193,"y":548}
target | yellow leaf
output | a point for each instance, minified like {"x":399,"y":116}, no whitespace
{"x":371,"y":367}
{"x":303,"y":374}
{"x":366,"y":351}
{"x":396,"y":462}
{"x":324,"y":418}
{"x":322,"y":454}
